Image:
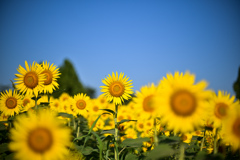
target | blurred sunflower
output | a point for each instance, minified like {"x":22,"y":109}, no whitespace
{"x":39,"y":136}
{"x":30,"y":80}
{"x":27,"y":103}
{"x":80,"y":104}
{"x":10,"y":102}
{"x":220,"y":104}
{"x":145,"y":102}
{"x":183,"y":103}
{"x":51,"y":73}
{"x":117,"y":88}
{"x":231,"y":128}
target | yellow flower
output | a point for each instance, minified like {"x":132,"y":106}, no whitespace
{"x":182,"y":103}
{"x":39,"y":136}
{"x":10,"y":102}
{"x":27,"y":102}
{"x":80,"y":104}
{"x":117,"y":88}
{"x":31,"y":79}
{"x":220,"y":105}
{"x":51,"y":73}
{"x":231,"y":128}
{"x":56,"y":105}
{"x":145,"y":102}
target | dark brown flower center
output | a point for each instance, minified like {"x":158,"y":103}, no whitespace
{"x":81,"y":104}
{"x":11,"y":102}
{"x":40,"y":140}
{"x":49,"y":77}
{"x":31,"y":80}
{"x":183,"y":103}
{"x":116,"y":89}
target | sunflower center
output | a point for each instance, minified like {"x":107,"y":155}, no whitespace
{"x":40,"y":140}
{"x":25,"y":102}
{"x":221,"y":110}
{"x":81,"y":104}
{"x":11,"y":102}
{"x":184,"y":137}
{"x":95,"y":108}
{"x":140,"y":125}
{"x":148,"y":104}
{"x":236,"y":127}
{"x":31,"y":80}
{"x":183,"y":103}
{"x":49,"y":77}
{"x":116,"y":89}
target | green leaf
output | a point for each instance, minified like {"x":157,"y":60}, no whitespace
{"x":4,"y":147}
{"x":124,"y":120}
{"x":111,"y":131}
{"x":94,"y":123}
{"x":197,"y":138}
{"x":161,"y":151}
{"x":131,"y":156}
{"x":87,"y":150}
{"x":100,"y":144}
{"x":135,"y":143}
{"x":65,"y":115}
{"x":109,"y":110}
{"x":79,"y":138}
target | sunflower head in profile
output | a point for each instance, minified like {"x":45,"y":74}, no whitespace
{"x":10,"y":102}
{"x":183,"y":103}
{"x":39,"y":135}
{"x":30,"y":80}
{"x":145,"y":102}
{"x":117,"y":88}
{"x":231,"y":127}
{"x":80,"y":104}
{"x":51,"y":73}
{"x":220,"y":104}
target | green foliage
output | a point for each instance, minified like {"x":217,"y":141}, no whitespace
{"x":70,"y":83}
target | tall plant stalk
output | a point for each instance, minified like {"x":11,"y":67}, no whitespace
{"x":116,"y":134}
{"x":215,"y":149}
{"x":155,"y":133}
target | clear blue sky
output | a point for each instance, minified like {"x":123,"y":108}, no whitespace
{"x":144,"y":39}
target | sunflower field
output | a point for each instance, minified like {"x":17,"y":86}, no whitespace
{"x":177,"y":118}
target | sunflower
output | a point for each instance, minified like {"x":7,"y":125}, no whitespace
{"x":220,"y":105}
{"x":80,"y":104}
{"x":27,"y":103}
{"x":183,"y":104}
{"x":51,"y":73}
{"x":145,"y":101}
{"x":231,"y":127}
{"x":39,"y":136}
{"x":10,"y":102}
{"x":117,"y":88}
{"x":30,"y":80}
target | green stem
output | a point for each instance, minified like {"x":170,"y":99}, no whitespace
{"x":215,"y":149}
{"x":202,"y":142}
{"x":116,"y":134}
{"x":78,"y":129}
{"x":155,"y":133}
{"x":181,"y":156}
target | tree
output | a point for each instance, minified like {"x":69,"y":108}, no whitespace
{"x":236,"y":85}
{"x":69,"y":82}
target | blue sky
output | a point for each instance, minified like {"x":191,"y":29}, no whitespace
{"x":144,"y":39}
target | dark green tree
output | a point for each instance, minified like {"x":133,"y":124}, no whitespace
{"x":70,"y":83}
{"x":236,"y":85}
